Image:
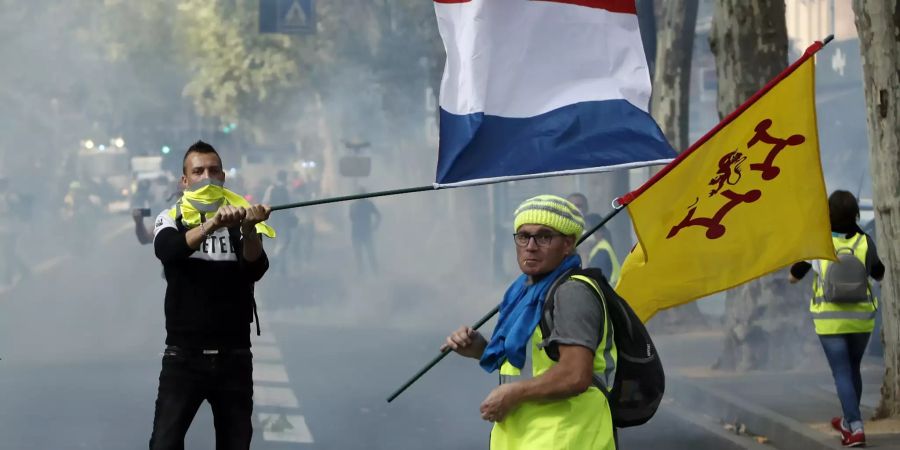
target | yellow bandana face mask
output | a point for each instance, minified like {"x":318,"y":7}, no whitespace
{"x":205,"y":196}
{"x":202,"y":199}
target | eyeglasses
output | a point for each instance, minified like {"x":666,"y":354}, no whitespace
{"x":542,"y":239}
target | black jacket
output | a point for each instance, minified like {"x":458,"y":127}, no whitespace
{"x":209,"y":297}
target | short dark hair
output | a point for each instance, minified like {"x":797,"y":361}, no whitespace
{"x":843,"y":210}
{"x":198,"y":147}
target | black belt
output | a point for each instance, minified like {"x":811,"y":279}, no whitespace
{"x":175,"y":350}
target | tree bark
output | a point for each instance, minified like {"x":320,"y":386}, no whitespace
{"x":878,"y":26}
{"x":646,"y":10}
{"x":672,"y":80}
{"x":669,"y":106}
{"x":750,"y":45}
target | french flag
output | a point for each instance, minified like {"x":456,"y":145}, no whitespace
{"x":543,"y":87}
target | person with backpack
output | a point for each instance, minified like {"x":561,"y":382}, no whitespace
{"x":844,"y":309}
{"x":553,"y":344}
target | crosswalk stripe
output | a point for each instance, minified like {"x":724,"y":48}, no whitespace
{"x":269,"y":353}
{"x":264,"y":338}
{"x":281,"y":397}
{"x":271,"y":392}
{"x":285,"y":428}
{"x":273,"y":373}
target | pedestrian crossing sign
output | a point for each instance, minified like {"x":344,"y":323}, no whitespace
{"x":287,"y":16}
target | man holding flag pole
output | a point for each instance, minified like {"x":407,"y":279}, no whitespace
{"x":559,"y":394}
{"x":705,"y":222}
{"x":576,"y":102}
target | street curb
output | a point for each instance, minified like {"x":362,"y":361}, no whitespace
{"x":783,"y":432}
{"x":708,"y":423}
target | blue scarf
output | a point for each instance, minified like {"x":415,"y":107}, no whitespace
{"x":520,"y":313}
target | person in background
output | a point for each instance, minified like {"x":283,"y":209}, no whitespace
{"x":141,"y":232}
{"x":141,"y":201}
{"x":13,"y":266}
{"x":602,"y":256}
{"x":844,"y":325}
{"x":364,"y":220}
{"x":277,"y":194}
{"x":581,"y":202}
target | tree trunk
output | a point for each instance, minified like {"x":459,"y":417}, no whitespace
{"x":672,"y":80}
{"x":749,"y":42}
{"x":328,"y":185}
{"x":669,"y":106}
{"x":878,"y":25}
{"x":646,"y":11}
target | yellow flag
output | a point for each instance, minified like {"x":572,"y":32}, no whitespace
{"x":746,"y":200}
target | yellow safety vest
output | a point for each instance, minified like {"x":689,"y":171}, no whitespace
{"x":841,"y":318}
{"x":581,"y":422}
{"x":604,"y":245}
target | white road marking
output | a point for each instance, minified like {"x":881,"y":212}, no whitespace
{"x":282,"y":397}
{"x":266,"y":353}
{"x":49,"y":263}
{"x":285,"y":428}
{"x":273,"y":394}
{"x":273,"y":373}
{"x":264,"y":338}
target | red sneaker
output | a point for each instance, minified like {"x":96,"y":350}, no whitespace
{"x":838,"y":424}
{"x":857,"y":439}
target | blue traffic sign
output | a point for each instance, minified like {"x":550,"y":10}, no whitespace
{"x":287,"y":16}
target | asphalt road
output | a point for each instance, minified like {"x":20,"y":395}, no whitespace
{"x":80,"y":343}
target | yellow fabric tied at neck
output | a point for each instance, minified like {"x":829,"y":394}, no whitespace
{"x":206,"y":198}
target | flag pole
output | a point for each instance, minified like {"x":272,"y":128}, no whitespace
{"x":617,"y":207}
{"x":345,"y":198}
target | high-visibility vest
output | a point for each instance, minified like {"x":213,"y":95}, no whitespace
{"x":841,"y":318}
{"x":604,"y":245}
{"x":580,"y":422}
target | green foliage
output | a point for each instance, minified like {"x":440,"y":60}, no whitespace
{"x":122,"y":62}
{"x":234,"y":70}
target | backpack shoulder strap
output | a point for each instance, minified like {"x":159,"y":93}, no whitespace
{"x":588,"y":277}
{"x":859,"y":238}
{"x":546,"y":322}
{"x":580,"y":275}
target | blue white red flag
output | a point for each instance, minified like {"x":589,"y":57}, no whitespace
{"x":543,"y":87}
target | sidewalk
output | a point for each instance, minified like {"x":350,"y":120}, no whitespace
{"x":791,"y":409}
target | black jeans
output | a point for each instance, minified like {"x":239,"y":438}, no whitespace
{"x":224,"y":380}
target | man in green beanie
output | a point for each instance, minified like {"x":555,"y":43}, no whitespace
{"x":557,"y":402}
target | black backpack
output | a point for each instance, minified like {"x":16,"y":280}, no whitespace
{"x":640,"y":381}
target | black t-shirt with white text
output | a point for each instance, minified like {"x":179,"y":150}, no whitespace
{"x":209,"y":295}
